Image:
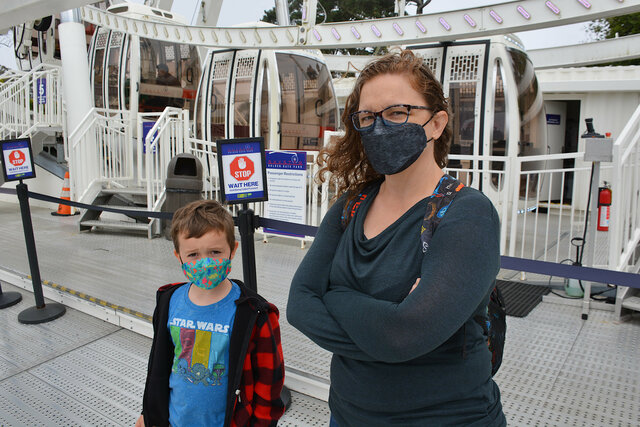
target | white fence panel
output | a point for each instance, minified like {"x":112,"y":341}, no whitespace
{"x":163,"y":141}
{"x":625,"y":208}
{"x":101,"y":152}
{"x":30,"y":100}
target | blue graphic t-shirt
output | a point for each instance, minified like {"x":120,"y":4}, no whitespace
{"x":199,"y":375}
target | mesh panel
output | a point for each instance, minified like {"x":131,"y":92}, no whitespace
{"x":169,"y":53}
{"x":221,"y":69}
{"x":311,"y":83}
{"x":102,"y":40}
{"x":464,"y":67}
{"x":245,"y":67}
{"x":116,"y":39}
{"x":185,"y":51}
{"x":288,"y":81}
{"x":432,"y":63}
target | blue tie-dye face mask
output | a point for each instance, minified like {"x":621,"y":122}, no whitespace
{"x":207,"y":273}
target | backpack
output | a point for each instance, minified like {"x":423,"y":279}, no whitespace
{"x":493,"y":323}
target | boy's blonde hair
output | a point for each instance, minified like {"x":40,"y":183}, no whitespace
{"x":200,"y":217}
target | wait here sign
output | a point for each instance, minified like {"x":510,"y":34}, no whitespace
{"x":241,"y":164}
{"x":17,"y":161}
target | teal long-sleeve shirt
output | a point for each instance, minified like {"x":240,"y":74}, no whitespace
{"x":403,"y":358}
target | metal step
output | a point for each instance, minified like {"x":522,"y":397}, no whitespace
{"x":131,"y":191}
{"x":120,"y":225}
{"x":124,"y":208}
{"x":632,"y":303}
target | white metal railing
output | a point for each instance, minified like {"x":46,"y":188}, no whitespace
{"x":205,"y":151}
{"x":30,"y":100}
{"x":624,"y":229}
{"x":100,"y":152}
{"x":166,"y":138}
{"x":10,"y":75}
{"x":541,"y":225}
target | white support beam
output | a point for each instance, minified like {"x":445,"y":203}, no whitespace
{"x":514,"y":16}
{"x":15,"y":12}
{"x":600,"y":52}
{"x":577,"y":55}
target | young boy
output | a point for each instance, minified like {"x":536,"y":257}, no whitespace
{"x":216,"y":358}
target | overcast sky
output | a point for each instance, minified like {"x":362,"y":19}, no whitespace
{"x":243,"y":11}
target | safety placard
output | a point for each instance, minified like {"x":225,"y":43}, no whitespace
{"x":287,"y":183}
{"x":17,"y":159}
{"x":241,"y":167}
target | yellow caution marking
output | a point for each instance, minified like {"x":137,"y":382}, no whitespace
{"x":95,"y":300}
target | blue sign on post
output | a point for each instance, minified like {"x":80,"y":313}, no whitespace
{"x":553,"y":119}
{"x":41,"y":85}
{"x":146,"y":127}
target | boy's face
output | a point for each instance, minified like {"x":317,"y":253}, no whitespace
{"x":212,"y":244}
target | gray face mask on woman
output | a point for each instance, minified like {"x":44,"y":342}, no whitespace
{"x":392,"y":149}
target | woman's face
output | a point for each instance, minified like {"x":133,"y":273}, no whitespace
{"x":392,"y":89}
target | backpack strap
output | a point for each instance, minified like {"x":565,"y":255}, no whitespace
{"x":349,"y":210}
{"x":447,"y":189}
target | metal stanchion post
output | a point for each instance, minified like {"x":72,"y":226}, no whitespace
{"x":246,"y":226}
{"x":41,"y":312}
{"x":7,"y":299}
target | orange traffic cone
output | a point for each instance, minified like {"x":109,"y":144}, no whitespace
{"x":65,"y":210}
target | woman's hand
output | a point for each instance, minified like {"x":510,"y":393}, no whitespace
{"x":415,"y":285}
{"x":140,"y":422}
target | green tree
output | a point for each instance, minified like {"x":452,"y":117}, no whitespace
{"x":617,"y":26}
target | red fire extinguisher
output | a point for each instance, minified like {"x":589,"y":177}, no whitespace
{"x":604,"y":207}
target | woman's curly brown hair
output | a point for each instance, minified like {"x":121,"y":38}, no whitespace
{"x":349,"y":168}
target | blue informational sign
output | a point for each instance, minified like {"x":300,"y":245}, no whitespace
{"x":146,"y":127}
{"x":553,"y":119}
{"x":241,"y":166}
{"x":287,"y":183}
{"x":17,"y":159}
{"x":41,"y":86}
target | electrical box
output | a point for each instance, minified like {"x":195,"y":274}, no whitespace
{"x":598,"y":150}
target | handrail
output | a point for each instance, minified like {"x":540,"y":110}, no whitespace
{"x":28,"y":75}
{"x":23,"y":108}
{"x":101,"y":151}
{"x":162,"y":142}
{"x":624,"y":228}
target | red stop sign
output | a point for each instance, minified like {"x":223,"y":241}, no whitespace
{"x":16,"y":158}
{"x":242,"y":168}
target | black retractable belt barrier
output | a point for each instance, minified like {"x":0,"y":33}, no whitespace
{"x":41,"y":312}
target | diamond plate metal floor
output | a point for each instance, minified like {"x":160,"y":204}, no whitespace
{"x":81,"y":371}
{"x":77,"y":370}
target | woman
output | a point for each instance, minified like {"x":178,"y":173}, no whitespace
{"x":406,"y":349}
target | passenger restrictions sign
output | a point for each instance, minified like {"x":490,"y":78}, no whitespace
{"x":242,"y":170}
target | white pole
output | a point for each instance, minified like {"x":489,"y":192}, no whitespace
{"x":76,"y":87}
{"x":75,"y":68}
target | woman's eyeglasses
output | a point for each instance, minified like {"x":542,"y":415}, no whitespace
{"x":393,"y":115}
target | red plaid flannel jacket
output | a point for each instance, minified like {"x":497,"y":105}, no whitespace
{"x":259,"y":402}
